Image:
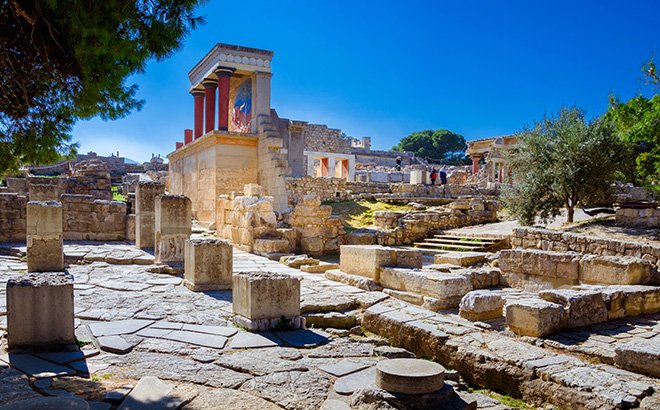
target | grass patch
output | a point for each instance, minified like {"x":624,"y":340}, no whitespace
{"x":360,"y":214}
{"x":504,"y":399}
{"x":116,"y":196}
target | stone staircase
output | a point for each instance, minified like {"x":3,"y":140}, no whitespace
{"x":459,"y":243}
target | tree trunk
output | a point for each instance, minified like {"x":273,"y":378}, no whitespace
{"x":569,"y":210}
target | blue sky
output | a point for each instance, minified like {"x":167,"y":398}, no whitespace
{"x":388,"y":68}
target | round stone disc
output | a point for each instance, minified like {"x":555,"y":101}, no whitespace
{"x":410,"y":376}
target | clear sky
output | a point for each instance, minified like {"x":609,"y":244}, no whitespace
{"x":387,"y":68}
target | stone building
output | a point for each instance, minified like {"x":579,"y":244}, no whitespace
{"x":488,"y":163}
{"x":250,"y":143}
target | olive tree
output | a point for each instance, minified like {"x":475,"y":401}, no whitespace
{"x":562,"y":161}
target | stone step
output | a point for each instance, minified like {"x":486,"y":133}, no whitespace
{"x":458,"y":241}
{"x":475,"y":238}
{"x":442,"y":246}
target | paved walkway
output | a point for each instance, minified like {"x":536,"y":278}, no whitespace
{"x":157,"y":327}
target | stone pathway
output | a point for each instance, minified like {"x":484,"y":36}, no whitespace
{"x":135,"y":324}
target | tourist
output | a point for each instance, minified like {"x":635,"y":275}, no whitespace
{"x":434,"y":175}
{"x":398,"y":163}
{"x":443,"y":175}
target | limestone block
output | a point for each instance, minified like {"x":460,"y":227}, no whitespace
{"x":145,"y":212}
{"x":208,"y":264}
{"x":481,"y":305}
{"x":584,"y":307}
{"x":535,"y":317}
{"x":130,"y":227}
{"x":40,"y":310}
{"x":44,"y":237}
{"x":253,"y":190}
{"x":173,"y":227}
{"x":461,"y":258}
{"x":410,"y":376}
{"x":408,"y":258}
{"x":639,"y":355}
{"x":484,"y":277}
{"x":265,"y":295}
{"x":296,"y":261}
{"x":534,"y":262}
{"x":365,"y":260}
{"x":614,"y":270}
{"x":448,"y":289}
{"x":265,"y":246}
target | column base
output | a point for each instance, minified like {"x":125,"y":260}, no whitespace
{"x":262,"y":325}
{"x":206,"y":287}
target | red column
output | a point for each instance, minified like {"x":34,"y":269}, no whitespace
{"x":223,"y":74}
{"x":187,"y":136}
{"x":198,"y":95}
{"x":179,"y":145}
{"x":344,"y":168}
{"x":210,"y":85}
{"x":475,"y":164}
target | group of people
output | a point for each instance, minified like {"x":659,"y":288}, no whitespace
{"x":442,"y":173}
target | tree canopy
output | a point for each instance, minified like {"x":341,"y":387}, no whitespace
{"x":441,"y":146}
{"x":637,"y":122}
{"x":562,"y":161}
{"x":64,"y":60}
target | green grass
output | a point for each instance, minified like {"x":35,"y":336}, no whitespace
{"x":116,"y":196}
{"x":504,"y":399}
{"x":360,"y":214}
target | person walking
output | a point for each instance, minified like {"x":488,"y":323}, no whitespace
{"x":443,"y":175}
{"x":434,"y":175}
{"x":398,"y":163}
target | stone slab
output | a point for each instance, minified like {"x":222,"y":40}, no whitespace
{"x":303,"y":337}
{"x":249,"y":340}
{"x":118,"y":327}
{"x":115,"y":344}
{"x":460,"y":258}
{"x":225,"y":331}
{"x":640,"y":355}
{"x":68,"y":357}
{"x":151,"y":394}
{"x":356,"y":381}
{"x":36,"y":367}
{"x":197,"y":339}
{"x":343,"y":368}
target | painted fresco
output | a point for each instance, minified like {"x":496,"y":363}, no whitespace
{"x":242,"y":112}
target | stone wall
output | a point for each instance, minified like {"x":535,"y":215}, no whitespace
{"x":532,"y":238}
{"x":13,"y":216}
{"x":648,"y":215}
{"x":320,"y":138}
{"x":397,"y":228}
{"x":317,"y":232}
{"x":84,"y":218}
{"x":87,"y":218}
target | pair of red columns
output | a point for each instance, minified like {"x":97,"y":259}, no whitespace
{"x":205,"y":102}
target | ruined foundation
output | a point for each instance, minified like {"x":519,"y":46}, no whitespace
{"x":145,"y":212}
{"x":173,"y":227}
{"x":208,"y":264}
{"x":44,"y":237}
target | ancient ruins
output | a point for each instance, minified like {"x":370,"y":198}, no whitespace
{"x":234,"y":276}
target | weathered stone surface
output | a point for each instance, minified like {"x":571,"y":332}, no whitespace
{"x":460,"y":258}
{"x":208,"y":264}
{"x":115,"y":344}
{"x":151,"y":393}
{"x":173,"y":226}
{"x":248,"y":340}
{"x":614,"y":270}
{"x":261,"y":295}
{"x":535,"y":317}
{"x":230,"y":399}
{"x":355,"y":381}
{"x":409,"y":376}
{"x":640,"y":355}
{"x":118,"y":327}
{"x":145,"y":212}
{"x":292,"y":390}
{"x":343,"y":367}
{"x":584,"y":307}
{"x":36,"y":367}
{"x":40,"y":310}
{"x":320,"y":268}
{"x":365,"y":260}
{"x":297,"y":261}
{"x":448,"y":289}
{"x":536,"y":269}
{"x":303,"y":337}
{"x":44,"y":237}
{"x":50,"y":403}
{"x":481,"y":305}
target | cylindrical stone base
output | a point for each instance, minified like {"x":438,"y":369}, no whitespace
{"x":40,"y":310}
{"x":410,"y":376}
